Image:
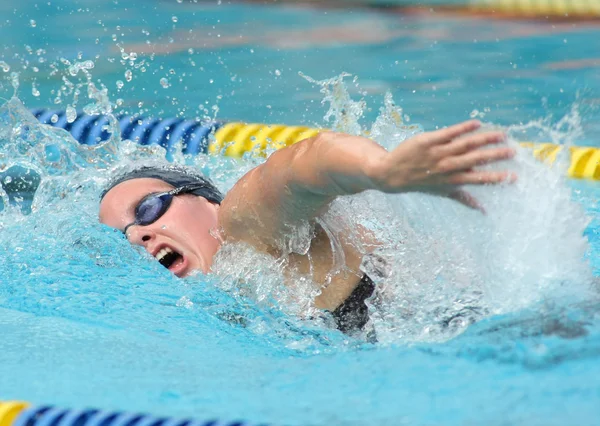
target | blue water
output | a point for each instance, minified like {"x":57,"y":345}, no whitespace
{"x":440,"y":68}
{"x":87,"y":320}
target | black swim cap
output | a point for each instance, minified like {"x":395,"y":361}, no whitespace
{"x":173,"y":175}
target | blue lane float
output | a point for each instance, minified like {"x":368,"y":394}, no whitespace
{"x":90,"y":129}
{"x":55,"y":416}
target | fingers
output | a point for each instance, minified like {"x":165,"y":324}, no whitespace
{"x":448,"y":134}
{"x":466,"y":199}
{"x":471,"y":143}
{"x":481,"y":178}
{"x":476,"y":158}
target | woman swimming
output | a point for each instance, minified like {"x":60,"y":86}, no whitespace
{"x":182,"y":220}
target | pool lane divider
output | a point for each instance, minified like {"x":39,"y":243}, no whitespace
{"x":583,"y":9}
{"x":239,"y":139}
{"x":10,"y":410}
{"x":16,"y":413}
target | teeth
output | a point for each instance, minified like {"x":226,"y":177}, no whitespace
{"x":163,"y":253}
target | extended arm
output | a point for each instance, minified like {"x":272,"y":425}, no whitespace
{"x":297,"y":182}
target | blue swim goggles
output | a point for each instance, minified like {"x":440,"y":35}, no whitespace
{"x":153,"y":206}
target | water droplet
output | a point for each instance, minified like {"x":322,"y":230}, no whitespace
{"x":34,"y":91}
{"x":54,"y":119}
{"x":14,"y":79}
{"x":277,"y":73}
{"x":71,"y":114}
{"x":5,"y":67}
{"x":174,"y":19}
{"x":32,"y":23}
{"x":211,"y":81}
{"x":185,"y":301}
{"x":120,"y":84}
{"x":164,"y":83}
{"x":128,"y":75}
{"x":474,"y":113}
{"x":7,"y":179}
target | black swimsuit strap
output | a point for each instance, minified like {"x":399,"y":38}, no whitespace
{"x":353,"y":314}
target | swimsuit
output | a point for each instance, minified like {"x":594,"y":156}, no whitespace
{"x":353,"y":314}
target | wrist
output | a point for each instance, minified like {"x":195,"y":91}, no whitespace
{"x":376,"y":170}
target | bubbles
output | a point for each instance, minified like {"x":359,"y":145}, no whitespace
{"x":174,"y":19}
{"x":128,"y":75}
{"x":164,"y":82}
{"x":278,"y":73}
{"x":119,"y":84}
{"x":32,"y":23}
{"x":4,"y":66}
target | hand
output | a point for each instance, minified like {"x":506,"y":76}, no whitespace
{"x":439,"y":162}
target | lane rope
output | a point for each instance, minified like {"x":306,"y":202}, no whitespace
{"x":10,"y":410}
{"x":17,"y":413}
{"x":540,"y":8}
{"x":236,"y":139}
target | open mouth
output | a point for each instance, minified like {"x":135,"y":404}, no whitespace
{"x":168,"y":257}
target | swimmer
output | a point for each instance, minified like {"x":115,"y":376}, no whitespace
{"x":182,"y":219}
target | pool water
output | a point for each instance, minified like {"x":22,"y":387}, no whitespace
{"x":87,"y":320}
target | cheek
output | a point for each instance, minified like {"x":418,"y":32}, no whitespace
{"x":196,"y":226}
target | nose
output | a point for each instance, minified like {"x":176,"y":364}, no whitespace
{"x":140,"y":235}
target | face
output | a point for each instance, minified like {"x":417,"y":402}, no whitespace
{"x":184,"y":239}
